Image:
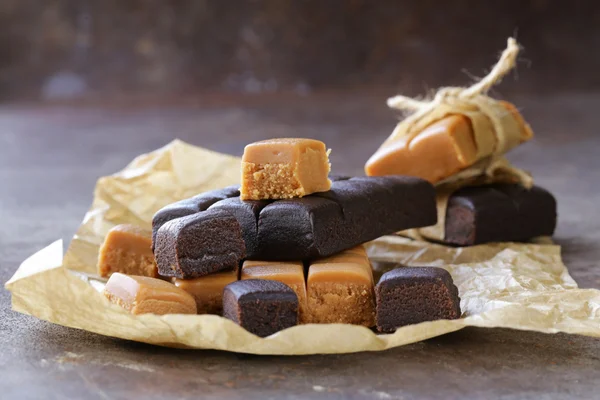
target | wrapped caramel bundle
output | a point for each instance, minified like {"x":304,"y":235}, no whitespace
{"x":456,"y":140}
{"x":459,"y":130}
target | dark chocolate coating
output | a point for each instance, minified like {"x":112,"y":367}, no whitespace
{"x":411,"y":295}
{"x":299,"y":229}
{"x":246,"y":212}
{"x":262,"y":307}
{"x":190,"y":206}
{"x":381,"y":267}
{"x":381,"y":205}
{"x":354,"y":211}
{"x":199,"y":244}
{"x":499,"y":213}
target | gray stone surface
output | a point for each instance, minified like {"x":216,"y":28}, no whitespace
{"x":50,"y":157}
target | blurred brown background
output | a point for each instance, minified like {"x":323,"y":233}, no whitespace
{"x":60,"y":49}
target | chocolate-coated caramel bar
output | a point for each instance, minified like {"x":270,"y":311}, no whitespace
{"x":284,"y":168}
{"x":199,"y":244}
{"x":498,"y":213}
{"x":410,"y":295}
{"x":145,"y":295}
{"x":262,"y":307}
{"x":190,"y":206}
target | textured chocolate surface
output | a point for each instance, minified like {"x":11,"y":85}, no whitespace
{"x":262,"y":307}
{"x":246,"y":212}
{"x":410,"y":295}
{"x":190,"y":206}
{"x":377,"y":206}
{"x":499,"y":213}
{"x":298,"y":229}
{"x":354,"y":211}
{"x":199,"y":244}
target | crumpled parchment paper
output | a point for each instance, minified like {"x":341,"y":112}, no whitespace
{"x":510,"y":285}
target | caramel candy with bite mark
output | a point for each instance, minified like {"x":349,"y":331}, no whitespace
{"x":284,"y":168}
{"x":291,"y":273}
{"x":145,"y":295}
{"x":208,"y":290}
{"x":127,"y":249}
{"x":442,"y":149}
{"x":340,"y":290}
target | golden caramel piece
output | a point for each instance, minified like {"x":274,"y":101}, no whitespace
{"x":442,"y":149}
{"x":284,"y":168}
{"x":144,"y":295}
{"x":360,"y":250}
{"x":340,"y":290}
{"x":127,"y":249}
{"x":290,"y":273}
{"x":208,"y":290}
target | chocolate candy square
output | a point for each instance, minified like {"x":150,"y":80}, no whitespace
{"x":262,"y":307}
{"x":246,"y":212}
{"x":299,"y":229}
{"x":199,"y":244}
{"x":289,"y":272}
{"x":190,"y":206}
{"x":411,"y":295}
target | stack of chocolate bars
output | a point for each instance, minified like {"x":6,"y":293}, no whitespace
{"x":284,"y":248}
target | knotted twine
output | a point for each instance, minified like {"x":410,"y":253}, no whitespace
{"x":495,"y":128}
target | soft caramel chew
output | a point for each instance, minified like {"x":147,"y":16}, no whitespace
{"x":290,"y":273}
{"x":340,"y":290}
{"x":145,"y":295}
{"x":127,"y":249}
{"x":444,"y":148}
{"x":284,"y":168}
{"x":208,"y":290}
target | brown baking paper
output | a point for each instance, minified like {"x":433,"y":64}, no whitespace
{"x":520,"y":286}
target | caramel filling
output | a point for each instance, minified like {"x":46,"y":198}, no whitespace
{"x":284,"y":168}
{"x":208,"y":290}
{"x":142,"y":294}
{"x":340,"y":290}
{"x":127,"y":249}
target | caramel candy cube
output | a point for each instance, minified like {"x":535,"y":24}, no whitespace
{"x":284,"y":168}
{"x":144,"y":295}
{"x":127,"y":249}
{"x":290,"y":273}
{"x":340,"y":290}
{"x":442,"y":149}
{"x":208,"y":290}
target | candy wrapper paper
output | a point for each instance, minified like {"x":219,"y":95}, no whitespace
{"x":519,"y":286}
